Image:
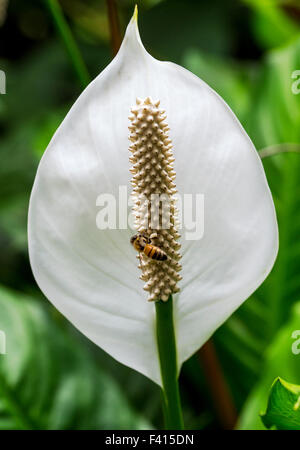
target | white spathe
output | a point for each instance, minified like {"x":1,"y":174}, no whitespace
{"x":90,"y":275}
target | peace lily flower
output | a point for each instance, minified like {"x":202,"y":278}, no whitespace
{"x":92,"y":275}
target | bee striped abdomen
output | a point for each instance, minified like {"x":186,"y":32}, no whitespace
{"x":155,"y":253}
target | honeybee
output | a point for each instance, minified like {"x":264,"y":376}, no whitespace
{"x":143,"y":244}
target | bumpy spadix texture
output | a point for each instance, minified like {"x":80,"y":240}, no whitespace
{"x":153,"y":196}
{"x":91,"y":275}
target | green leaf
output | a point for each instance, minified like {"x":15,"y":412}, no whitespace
{"x":283,"y":409}
{"x":282,"y":361}
{"x":49,"y":379}
{"x":271,"y":25}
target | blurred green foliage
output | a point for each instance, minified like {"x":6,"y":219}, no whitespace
{"x":279,"y":361}
{"x":48,"y":380}
{"x":247,"y":50}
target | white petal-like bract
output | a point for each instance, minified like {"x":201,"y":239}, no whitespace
{"x":91,"y":275}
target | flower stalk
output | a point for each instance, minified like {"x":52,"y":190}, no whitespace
{"x":155,"y":219}
{"x":3,"y":11}
{"x":114,"y":25}
{"x":166,"y":343}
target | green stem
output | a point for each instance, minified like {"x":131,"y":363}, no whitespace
{"x":166,"y":343}
{"x":164,"y":408}
{"x":69,"y":41}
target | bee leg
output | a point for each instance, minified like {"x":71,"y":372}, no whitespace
{"x":152,"y":237}
{"x":140,"y":258}
{"x":146,"y":237}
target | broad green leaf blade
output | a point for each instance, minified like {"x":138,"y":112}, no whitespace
{"x":280,"y":361}
{"x":283,"y":410}
{"x":49,"y":379}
